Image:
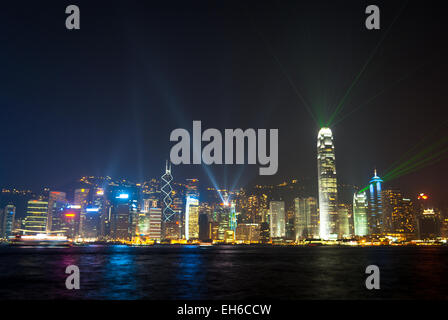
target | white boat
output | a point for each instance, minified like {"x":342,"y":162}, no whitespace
{"x":39,"y":240}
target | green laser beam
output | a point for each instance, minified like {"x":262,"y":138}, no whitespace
{"x":296,"y":90}
{"x":419,"y":164}
{"x":418,"y":161}
{"x":413,"y":162}
{"x":340,"y":105}
{"x":384,"y":90}
{"x":415,"y":158}
{"x":283,"y":70}
{"x":423,"y":165}
{"x":416,"y":166}
{"x":363,"y":189}
{"x":416,"y":145}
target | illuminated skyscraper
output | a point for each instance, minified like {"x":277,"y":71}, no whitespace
{"x":56,"y":202}
{"x":123,"y":212}
{"x":82,"y":199}
{"x":360,"y":214}
{"x":222,"y":217}
{"x":428,"y":225}
{"x":120,"y":224}
{"x":147,"y":204}
{"x":91,"y":223}
{"x":170,"y":221}
{"x":192,"y":187}
{"x":428,"y":219}
{"x":69,"y":221}
{"x":178,"y":208}
{"x":398,"y":213}
{"x":248,"y":232}
{"x":232,"y":217}
{"x":36,"y":217}
{"x":192,"y":193}
{"x":155,"y":224}
{"x":278,"y":219}
{"x":375,"y":213}
{"x":343,"y":221}
{"x":264,"y":232}
{"x":97,"y":215}
{"x":8,"y":221}
{"x":81,"y":196}
{"x":328,"y":192}
{"x":306,"y":218}
{"x":191,"y":218}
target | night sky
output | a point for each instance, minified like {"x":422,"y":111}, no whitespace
{"x":103,"y":100}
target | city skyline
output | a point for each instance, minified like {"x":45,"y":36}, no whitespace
{"x":104,"y":209}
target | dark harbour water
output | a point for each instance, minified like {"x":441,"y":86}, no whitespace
{"x":224,"y":272}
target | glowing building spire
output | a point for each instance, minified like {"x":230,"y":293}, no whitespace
{"x":328,"y":191}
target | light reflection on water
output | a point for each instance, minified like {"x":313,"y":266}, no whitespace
{"x":222,"y":272}
{"x":188,"y":273}
{"x":118,"y":276}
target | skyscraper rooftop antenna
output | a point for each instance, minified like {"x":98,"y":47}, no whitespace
{"x":168,"y":167}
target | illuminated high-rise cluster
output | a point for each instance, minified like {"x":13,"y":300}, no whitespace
{"x":160,"y":210}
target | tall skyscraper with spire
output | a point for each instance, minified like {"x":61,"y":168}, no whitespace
{"x":328,"y":191}
{"x":170,"y":220}
{"x":375,"y":205}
